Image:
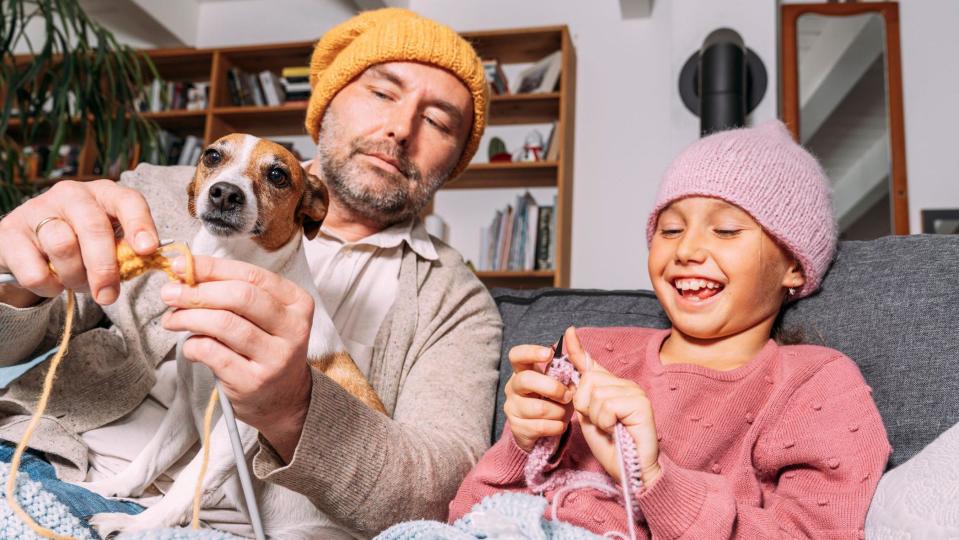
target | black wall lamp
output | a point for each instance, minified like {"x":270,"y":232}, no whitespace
{"x":722,"y":82}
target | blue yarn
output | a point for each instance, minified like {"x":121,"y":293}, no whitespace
{"x":503,"y":515}
{"x":42,"y":505}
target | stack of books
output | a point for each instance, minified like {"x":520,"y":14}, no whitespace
{"x":496,"y":77}
{"x":171,"y":96}
{"x":176,"y":150}
{"x":257,"y":89}
{"x":521,"y":237}
{"x":296,"y":82}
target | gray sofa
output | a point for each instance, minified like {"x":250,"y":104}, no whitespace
{"x":889,"y":304}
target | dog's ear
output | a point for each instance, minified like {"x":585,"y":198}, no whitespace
{"x":314,"y":205}
{"x":191,"y":194}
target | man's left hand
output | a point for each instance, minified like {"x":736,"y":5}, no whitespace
{"x":252,"y":328}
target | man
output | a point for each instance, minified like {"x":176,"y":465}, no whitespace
{"x":398,"y":107}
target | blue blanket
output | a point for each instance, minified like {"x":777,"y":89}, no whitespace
{"x":514,"y":516}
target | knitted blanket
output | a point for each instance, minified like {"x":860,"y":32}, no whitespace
{"x":53,"y":514}
{"x":513,"y":516}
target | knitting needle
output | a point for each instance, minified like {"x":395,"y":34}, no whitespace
{"x":243,"y":472}
{"x":7,"y":278}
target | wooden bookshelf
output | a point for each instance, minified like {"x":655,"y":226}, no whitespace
{"x":222,"y":117}
{"x":516,"y":46}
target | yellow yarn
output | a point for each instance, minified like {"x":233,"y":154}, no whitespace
{"x":131,"y":265}
{"x":394,"y":35}
{"x":207,"y":429}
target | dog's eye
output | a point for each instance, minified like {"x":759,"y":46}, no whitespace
{"x":212,"y":158}
{"x":278,"y":177}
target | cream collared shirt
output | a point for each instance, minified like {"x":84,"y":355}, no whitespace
{"x":358,"y":280}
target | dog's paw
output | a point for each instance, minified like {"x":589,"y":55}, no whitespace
{"x":110,"y":524}
{"x":111,"y":487}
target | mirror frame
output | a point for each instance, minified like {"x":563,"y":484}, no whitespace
{"x":789,"y":16}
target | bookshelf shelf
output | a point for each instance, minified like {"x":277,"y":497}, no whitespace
{"x":179,"y":120}
{"x":507,"y":175}
{"x":539,"y":108}
{"x":284,"y":119}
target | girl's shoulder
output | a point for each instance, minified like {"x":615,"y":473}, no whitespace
{"x":817,"y":365}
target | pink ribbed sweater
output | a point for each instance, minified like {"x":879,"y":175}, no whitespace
{"x":789,"y":445}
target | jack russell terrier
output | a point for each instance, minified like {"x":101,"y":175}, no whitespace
{"x":256,"y":203}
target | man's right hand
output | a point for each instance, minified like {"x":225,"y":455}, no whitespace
{"x":79,"y":242}
{"x":537,"y":405}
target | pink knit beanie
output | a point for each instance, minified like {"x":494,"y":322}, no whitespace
{"x":763,"y":171}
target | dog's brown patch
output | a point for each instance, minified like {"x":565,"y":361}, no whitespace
{"x":341,"y":368}
{"x":281,"y":209}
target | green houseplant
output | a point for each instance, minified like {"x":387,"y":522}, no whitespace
{"x":76,"y":81}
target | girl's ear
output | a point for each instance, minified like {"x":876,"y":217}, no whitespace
{"x":794,"y":278}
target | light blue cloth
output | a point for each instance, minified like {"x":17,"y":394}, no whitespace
{"x":8,"y":374}
{"x":503,"y":516}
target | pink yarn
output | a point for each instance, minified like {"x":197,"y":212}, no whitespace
{"x":764,"y":172}
{"x":566,"y":481}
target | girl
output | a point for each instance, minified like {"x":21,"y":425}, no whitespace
{"x":737,"y":436}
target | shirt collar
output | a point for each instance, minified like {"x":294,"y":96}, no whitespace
{"x":411,"y":231}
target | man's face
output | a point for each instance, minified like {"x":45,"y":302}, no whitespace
{"x":390,"y":138}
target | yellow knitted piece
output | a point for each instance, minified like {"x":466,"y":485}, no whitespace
{"x":394,"y":35}
{"x":131,"y":265}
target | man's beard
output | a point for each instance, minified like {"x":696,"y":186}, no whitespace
{"x":396,"y":198}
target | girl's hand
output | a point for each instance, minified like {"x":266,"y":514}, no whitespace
{"x":537,"y":405}
{"x":603,"y":399}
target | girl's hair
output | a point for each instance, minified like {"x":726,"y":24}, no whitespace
{"x":786,"y":336}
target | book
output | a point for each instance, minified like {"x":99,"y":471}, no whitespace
{"x":541,"y":76}
{"x":235,"y":86}
{"x":551,"y":151}
{"x":495,"y":76}
{"x":505,"y":233}
{"x":252,"y":82}
{"x":295,"y":71}
{"x":543,"y":238}
{"x":272,"y":89}
{"x":190,"y":144}
{"x":529,"y":243}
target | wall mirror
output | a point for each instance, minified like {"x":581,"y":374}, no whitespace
{"x":842,"y":99}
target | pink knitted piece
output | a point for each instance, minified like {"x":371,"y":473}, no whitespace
{"x":764,"y":172}
{"x":565,"y":481}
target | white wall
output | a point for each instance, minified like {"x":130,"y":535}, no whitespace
{"x":629,"y":118}
{"x":268,"y":21}
{"x":930,"y":41}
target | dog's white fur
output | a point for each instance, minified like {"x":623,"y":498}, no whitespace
{"x":285,"y":514}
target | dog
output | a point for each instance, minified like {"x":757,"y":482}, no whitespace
{"x":256,"y":203}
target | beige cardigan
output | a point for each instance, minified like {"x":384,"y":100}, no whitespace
{"x":434,"y":367}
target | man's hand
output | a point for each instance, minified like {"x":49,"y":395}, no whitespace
{"x":252,"y":329}
{"x":601,"y":401}
{"x":537,"y":405}
{"x":78,"y":241}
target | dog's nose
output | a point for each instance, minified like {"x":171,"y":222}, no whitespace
{"x":226,"y":196}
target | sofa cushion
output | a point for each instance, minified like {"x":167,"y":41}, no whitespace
{"x":889,"y":304}
{"x":918,"y":498}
